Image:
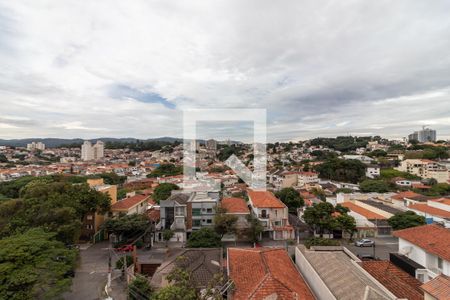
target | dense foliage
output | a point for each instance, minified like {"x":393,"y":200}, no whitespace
{"x":33,"y":265}
{"x":349,"y":170}
{"x":377,"y":186}
{"x":406,"y":220}
{"x":317,"y":241}
{"x":56,"y":206}
{"x":291,"y":198}
{"x":166,"y":170}
{"x":204,"y":238}
{"x":140,"y":289}
{"x":227,"y":151}
{"x":342,"y":143}
{"x":139,"y":145}
{"x":163,"y":191}
{"x":127,"y":226}
{"x":389,"y":174}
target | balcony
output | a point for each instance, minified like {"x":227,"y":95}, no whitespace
{"x":264,"y":216}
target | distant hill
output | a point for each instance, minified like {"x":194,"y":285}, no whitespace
{"x":56,"y":142}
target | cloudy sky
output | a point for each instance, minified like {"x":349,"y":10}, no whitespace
{"x":129,"y":68}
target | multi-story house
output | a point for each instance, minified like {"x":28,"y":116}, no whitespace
{"x":305,"y":178}
{"x":429,"y":247}
{"x":132,"y":204}
{"x":184,"y":212}
{"x":425,"y":168}
{"x":272,"y":213}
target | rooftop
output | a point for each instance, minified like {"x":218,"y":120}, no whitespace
{"x":362,"y":211}
{"x":345,"y":279}
{"x":264,"y":199}
{"x":382,"y":206}
{"x":400,"y":283}
{"x":265,"y":272}
{"x":130,"y":202}
{"x":235,"y":205}
{"x":410,"y":195}
{"x":438,"y":287}
{"x":432,"y":238}
{"x":423,"y":207}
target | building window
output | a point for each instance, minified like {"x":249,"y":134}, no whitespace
{"x":440,"y":264}
{"x":89,"y":217}
{"x":196,"y":223}
{"x":209,"y":210}
{"x":209,"y":221}
{"x":196,"y":212}
{"x":89,"y":226}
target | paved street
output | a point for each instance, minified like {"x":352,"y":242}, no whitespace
{"x":91,"y":273}
{"x":383,"y":246}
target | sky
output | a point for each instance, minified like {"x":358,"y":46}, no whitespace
{"x":130,"y":68}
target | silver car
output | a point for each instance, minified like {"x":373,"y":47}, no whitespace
{"x":365,"y":243}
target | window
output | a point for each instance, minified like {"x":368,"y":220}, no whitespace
{"x":196,"y":212}
{"x":89,"y":226}
{"x":89,"y":217}
{"x":209,"y":210}
{"x":209,"y":221}
{"x":440,"y":264}
{"x":196,"y":223}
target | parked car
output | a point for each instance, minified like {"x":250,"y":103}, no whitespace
{"x":364,"y":243}
{"x":125,"y":248}
{"x":366,"y":257}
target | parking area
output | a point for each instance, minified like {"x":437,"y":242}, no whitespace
{"x":383,"y":246}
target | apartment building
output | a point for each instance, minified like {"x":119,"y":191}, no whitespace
{"x":272,"y":213}
{"x":35,"y":146}
{"x":92,"y":152}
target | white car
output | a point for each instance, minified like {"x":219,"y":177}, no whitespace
{"x":365,"y":243}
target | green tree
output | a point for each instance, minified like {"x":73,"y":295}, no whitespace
{"x":33,"y":265}
{"x":348,"y":170}
{"x":291,"y":198}
{"x":406,"y":220}
{"x":163,"y":191}
{"x":128,"y":259}
{"x":127,"y":226}
{"x":347,"y":224}
{"x":377,"y":186}
{"x":255,"y":228}
{"x":319,"y":217}
{"x":224,"y":223}
{"x":204,"y":238}
{"x":140,"y":289}
{"x":167,"y":235}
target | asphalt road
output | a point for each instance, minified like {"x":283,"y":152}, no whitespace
{"x":91,"y":273}
{"x":383,"y":246}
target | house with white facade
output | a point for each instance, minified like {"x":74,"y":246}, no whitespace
{"x":372,"y":171}
{"x":434,"y":210}
{"x":272,"y":213}
{"x":425,"y":168}
{"x":428,"y":246}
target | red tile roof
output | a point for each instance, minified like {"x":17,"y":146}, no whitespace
{"x":128,"y":203}
{"x":423,"y":207}
{"x":259,"y":273}
{"x":362,"y":211}
{"x":406,"y":194}
{"x":235,"y":205}
{"x":400,"y":283}
{"x":445,"y":201}
{"x":438,"y":287}
{"x":153,"y":215}
{"x":432,"y":238}
{"x":264,"y":199}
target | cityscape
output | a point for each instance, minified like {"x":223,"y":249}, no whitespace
{"x":183,"y":150}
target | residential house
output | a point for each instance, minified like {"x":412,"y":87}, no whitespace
{"x":173,"y":215}
{"x":272,"y":213}
{"x":201,"y":210}
{"x":428,"y":246}
{"x":203,"y":264}
{"x":405,"y":199}
{"x":133,"y":204}
{"x":305,"y":178}
{"x":264,"y":273}
{"x":334,"y":273}
{"x":397,"y":281}
{"x":425,"y":168}
{"x":434,"y":210}
{"x":437,"y":288}
{"x":237,"y":207}
{"x":372,"y":171}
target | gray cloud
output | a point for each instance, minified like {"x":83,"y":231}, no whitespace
{"x":325,"y":68}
